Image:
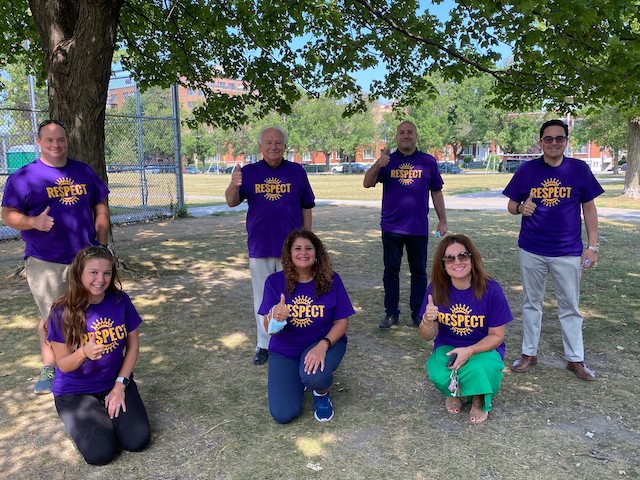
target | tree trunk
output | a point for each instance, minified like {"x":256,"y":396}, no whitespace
{"x":631,"y":187}
{"x":78,"y":40}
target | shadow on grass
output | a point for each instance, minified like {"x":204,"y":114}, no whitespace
{"x":208,"y":405}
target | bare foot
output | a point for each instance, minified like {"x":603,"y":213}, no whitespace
{"x":476,"y":415}
{"x":453,"y":404}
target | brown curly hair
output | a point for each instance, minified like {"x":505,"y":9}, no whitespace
{"x":73,"y":304}
{"x":322,"y":269}
{"x":440,"y":279}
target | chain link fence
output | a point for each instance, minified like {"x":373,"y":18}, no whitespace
{"x":142,"y":150}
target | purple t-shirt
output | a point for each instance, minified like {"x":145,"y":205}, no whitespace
{"x":71,"y":191}
{"x":109,"y":321}
{"x":311,"y":318}
{"x":276,"y":197}
{"x":407,"y":180}
{"x":555,"y":228}
{"x":467,"y":320}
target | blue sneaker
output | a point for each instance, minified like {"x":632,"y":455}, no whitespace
{"x":45,"y":382}
{"x":324,"y":407}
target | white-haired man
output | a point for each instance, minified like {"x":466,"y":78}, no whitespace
{"x":280,"y":200}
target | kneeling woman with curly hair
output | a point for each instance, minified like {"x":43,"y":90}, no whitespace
{"x":306,"y":310}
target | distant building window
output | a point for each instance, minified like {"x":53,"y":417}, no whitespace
{"x":126,"y":95}
{"x":232,"y":86}
{"x":368,"y":155}
{"x":306,"y":157}
{"x":113,"y":99}
{"x":223,"y":84}
{"x":191,"y":91}
{"x":191,"y":105}
{"x":580,"y":149}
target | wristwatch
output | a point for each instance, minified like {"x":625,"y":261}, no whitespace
{"x":594,"y":249}
{"x":123,"y":380}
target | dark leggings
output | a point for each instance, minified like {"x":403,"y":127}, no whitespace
{"x":97,"y":436}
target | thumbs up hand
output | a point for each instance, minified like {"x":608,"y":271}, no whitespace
{"x":236,"y":176}
{"x":279,"y":315}
{"x":431,"y":312}
{"x":384,"y":158}
{"x":528,"y":207}
{"x":43,"y":222}
{"x":280,"y":310}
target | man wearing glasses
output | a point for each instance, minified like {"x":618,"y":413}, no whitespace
{"x":550,"y":192}
{"x":407,"y":177}
{"x":59,"y":205}
{"x":280,"y":200}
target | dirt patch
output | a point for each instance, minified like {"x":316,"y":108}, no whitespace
{"x":189,"y":279}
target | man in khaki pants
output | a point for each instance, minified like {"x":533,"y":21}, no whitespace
{"x":59,"y":205}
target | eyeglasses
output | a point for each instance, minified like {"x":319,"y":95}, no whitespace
{"x":462,"y":257}
{"x":49,"y":122}
{"x":558,"y":139}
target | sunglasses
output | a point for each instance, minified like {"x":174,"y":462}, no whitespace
{"x":462,"y":257}
{"x":558,"y":139}
{"x":99,"y":251}
{"x":49,"y":122}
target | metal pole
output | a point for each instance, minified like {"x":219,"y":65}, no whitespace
{"x":32,"y":106}
{"x":143,"y":180}
{"x":177,"y":146}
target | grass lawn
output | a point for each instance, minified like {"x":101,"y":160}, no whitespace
{"x":207,"y":404}
{"x":209,"y":189}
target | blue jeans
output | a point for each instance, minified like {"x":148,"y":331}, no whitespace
{"x":393,"y":245}
{"x":287,"y":380}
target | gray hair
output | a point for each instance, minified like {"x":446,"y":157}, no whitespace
{"x":277,"y":129}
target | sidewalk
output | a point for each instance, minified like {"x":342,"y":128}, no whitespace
{"x":489,"y":200}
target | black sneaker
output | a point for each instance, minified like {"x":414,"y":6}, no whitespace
{"x":415,"y":321}
{"x":389,"y":320}
{"x":261,"y":357}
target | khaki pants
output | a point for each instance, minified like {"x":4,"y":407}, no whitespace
{"x":47,"y":282}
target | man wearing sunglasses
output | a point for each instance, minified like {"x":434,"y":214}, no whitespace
{"x":59,"y":205}
{"x":407,"y":176}
{"x":550,"y":192}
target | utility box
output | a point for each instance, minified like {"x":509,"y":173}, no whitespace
{"x":19,"y":156}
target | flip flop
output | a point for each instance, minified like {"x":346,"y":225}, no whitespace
{"x":453,"y":405}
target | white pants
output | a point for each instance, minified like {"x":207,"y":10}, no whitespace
{"x":566,"y":273}
{"x":260,"y":269}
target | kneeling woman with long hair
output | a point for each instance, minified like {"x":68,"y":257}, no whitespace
{"x":466,"y":312}
{"x":306,"y":310}
{"x":93,"y":332}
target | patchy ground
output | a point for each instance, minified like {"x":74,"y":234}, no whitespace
{"x":189,"y":279}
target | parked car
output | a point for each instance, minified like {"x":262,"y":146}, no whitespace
{"x":446,"y":167}
{"x":190,"y":169}
{"x":215,"y":169}
{"x":510,"y":166}
{"x":350,"y":167}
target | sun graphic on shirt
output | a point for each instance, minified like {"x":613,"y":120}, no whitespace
{"x":550,"y":184}
{"x":302,"y":300}
{"x":105,"y":324}
{"x":459,"y":310}
{"x":405,"y":174}
{"x":272,"y":190}
{"x":66,"y":184}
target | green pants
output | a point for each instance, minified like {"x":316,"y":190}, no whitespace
{"x":481,"y":375}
